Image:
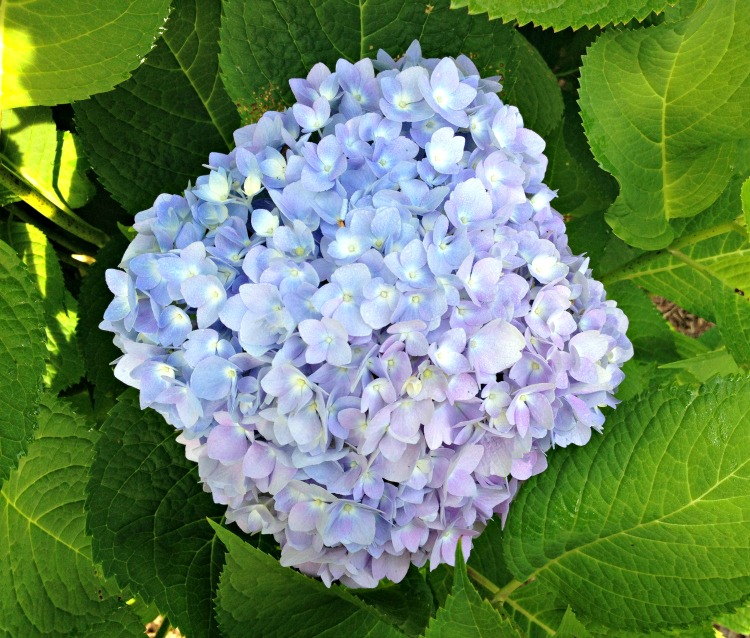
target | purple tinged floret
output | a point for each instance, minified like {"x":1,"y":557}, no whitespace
{"x":366,"y":320}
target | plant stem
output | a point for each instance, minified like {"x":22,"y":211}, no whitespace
{"x":503,"y":593}
{"x":66,"y":220}
{"x":632,"y":268}
{"x":70,"y":244}
{"x":164,"y":629}
{"x":482,"y":580}
{"x":564,"y":74}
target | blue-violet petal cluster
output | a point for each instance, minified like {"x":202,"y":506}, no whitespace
{"x":366,"y":320}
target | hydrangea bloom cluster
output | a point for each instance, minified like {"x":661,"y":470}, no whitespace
{"x":366,"y":320}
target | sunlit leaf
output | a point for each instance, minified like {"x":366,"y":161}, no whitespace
{"x":64,"y":363}
{"x":55,"y":52}
{"x":22,"y":357}
{"x":49,"y":584}
{"x":664,"y":110}
{"x":49,"y":160}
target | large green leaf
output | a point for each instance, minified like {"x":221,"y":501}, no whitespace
{"x":64,"y":364}
{"x":49,"y":584}
{"x":153,"y":133}
{"x":582,"y":187}
{"x":266,"y":42}
{"x":564,"y":13}
{"x":710,"y":246}
{"x":733,"y":318}
{"x":95,"y":344}
{"x":646,"y":526}
{"x":254,"y":600}
{"x":22,"y":357}
{"x":147,"y":515}
{"x":49,"y":160}
{"x":55,"y":52}
{"x":666,"y":112}
{"x":537,"y":609}
{"x":466,"y":614}
{"x":408,"y":604}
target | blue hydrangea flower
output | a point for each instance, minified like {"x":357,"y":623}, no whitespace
{"x":366,"y":320}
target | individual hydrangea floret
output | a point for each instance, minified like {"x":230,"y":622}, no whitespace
{"x":366,"y":320}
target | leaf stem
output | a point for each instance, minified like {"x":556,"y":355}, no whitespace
{"x":632,"y":268}
{"x":66,"y":220}
{"x":566,"y":73}
{"x":482,"y":580}
{"x":502,"y":594}
{"x":16,"y":211}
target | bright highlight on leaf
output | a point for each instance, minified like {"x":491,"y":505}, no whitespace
{"x":49,"y":160}
{"x":64,"y":363}
{"x":665,"y":111}
{"x":56,"y":52}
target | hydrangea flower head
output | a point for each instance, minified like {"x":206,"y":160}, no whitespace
{"x":366,"y":321}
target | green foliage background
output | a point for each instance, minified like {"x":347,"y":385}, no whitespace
{"x":645,"y":108}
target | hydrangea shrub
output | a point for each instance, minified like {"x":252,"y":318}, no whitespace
{"x":366,"y":320}
{"x":367,"y":351}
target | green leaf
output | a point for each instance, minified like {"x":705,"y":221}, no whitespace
{"x":22,"y":358}
{"x":49,"y":160}
{"x":564,"y":13}
{"x":487,"y":554}
{"x":746,"y":201}
{"x":667,"y":128}
{"x":57,"y":52}
{"x":710,"y":246}
{"x":704,"y":366}
{"x":440,"y":581}
{"x":571,"y":627}
{"x":659,"y":504}
{"x":408,"y":605}
{"x":147,"y":515}
{"x":466,"y":614}
{"x":583,"y":188}
{"x":266,"y":42}
{"x":95,"y":344}
{"x":733,"y":318}
{"x":64,"y":364}
{"x":50,"y":584}
{"x":153,"y":133}
{"x":652,"y":339}
{"x":649,"y":332}
{"x":738,"y":622}
{"x":254,"y":600}
{"x":536,"y":608}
